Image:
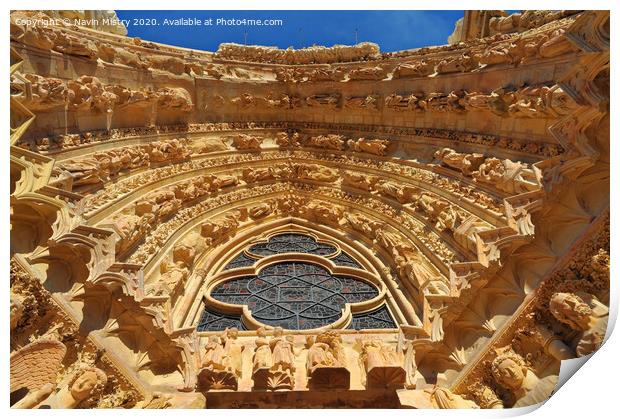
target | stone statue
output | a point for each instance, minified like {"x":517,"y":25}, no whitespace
{"x":363,"y":145}
{"x":282,"y":351}
{"x":315,"y":172}
{"x":320,"y":354}
{"x":361,"y":102}
{"x":329,"y":101}
{"x":214,"y":354}
{"x":232,"y":359}
{"x":87,"y":383}
{"x":262,"y":354}
{"x":260,"y":211}
{"x":330,"y":142}
{"x":222,"y":362}
{"x":402,"y":193}
{"x":466,"y":163}
{"x":362,"y":223}
{"x":585,"y":315}
{"x":507,"y":176}
{"x":282,"y":372}
{"x":325,"y":363}
{"x":247,"y":142}
{"x":510,"y":372}
{"x":384,"y":366}
{"x":359,"y":180}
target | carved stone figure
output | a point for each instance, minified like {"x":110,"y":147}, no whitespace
{"x":247,"y":142}
{"x":585,"y":315}
{"x":262,"y":354}
{"x":17,"y":311}
{"x":323,"y":212}
{"x":362,"y":223}
{"x":507,"y":176}
{"x":221,"y":362}
{"x":282,"y":372}
{"x":175,"y":149}
{"x":384,"y":366}
{"x":402,"y":193}
{"x":232,"y":359}
{"x":314,"y":172}
{"x":325,"y":363}
{"x":214,"y":354}
{"x":260,"y":211}
{"x":359,"y":180}
{"x":329,"y":101}
{"x":87,"y":383}
{"x":368,"y":73}
{"x":216,"y":230}
{"x":466,"y":163}
{"x":402,"y":103}
{"x":510,"y":372}
{"x":330,"y":142}
{"x":420,"y":68}
{"x":251,"y":175}
{"x":363,"y":145}
{"x":362,"y":102}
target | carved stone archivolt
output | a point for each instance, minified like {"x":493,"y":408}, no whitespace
{"x":465,"y":215}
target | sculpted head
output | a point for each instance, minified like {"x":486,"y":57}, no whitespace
{"x":86,"y":382}
{"x":261,"y":332}
{"x":17,"y":310}
{"x":571,"y":310}
{"x":278,"y":331}
{"x":232,"y":333}
{"x":509,"y":370}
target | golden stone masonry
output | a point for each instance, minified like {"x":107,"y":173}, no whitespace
{"x":322,"y":227}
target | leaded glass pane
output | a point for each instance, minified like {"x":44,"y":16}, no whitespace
{"x":240,"y":261}
{"x":214,"y":321}
{"x":292,"y":242}
{"x":377,"y":319}
{"x":294,"y":295}
{"x":344,"y":259}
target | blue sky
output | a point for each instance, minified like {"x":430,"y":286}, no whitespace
{"x":392,"y":30}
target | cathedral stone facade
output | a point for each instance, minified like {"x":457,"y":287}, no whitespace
{"x":322,"y":227}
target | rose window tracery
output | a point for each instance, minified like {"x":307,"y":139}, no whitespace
{"x":294,"y":294}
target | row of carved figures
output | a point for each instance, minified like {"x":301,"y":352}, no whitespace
{"x":274,"y":362}
{"x":69,"y":141}
{"x":382,"y":366}
{"x":42,"y":94}
{"x":96,"y":169}
{"x":528,"y":102}
{"x":145,"y":56}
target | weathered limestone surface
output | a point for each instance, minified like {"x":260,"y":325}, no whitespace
{"x":466,"y":184}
